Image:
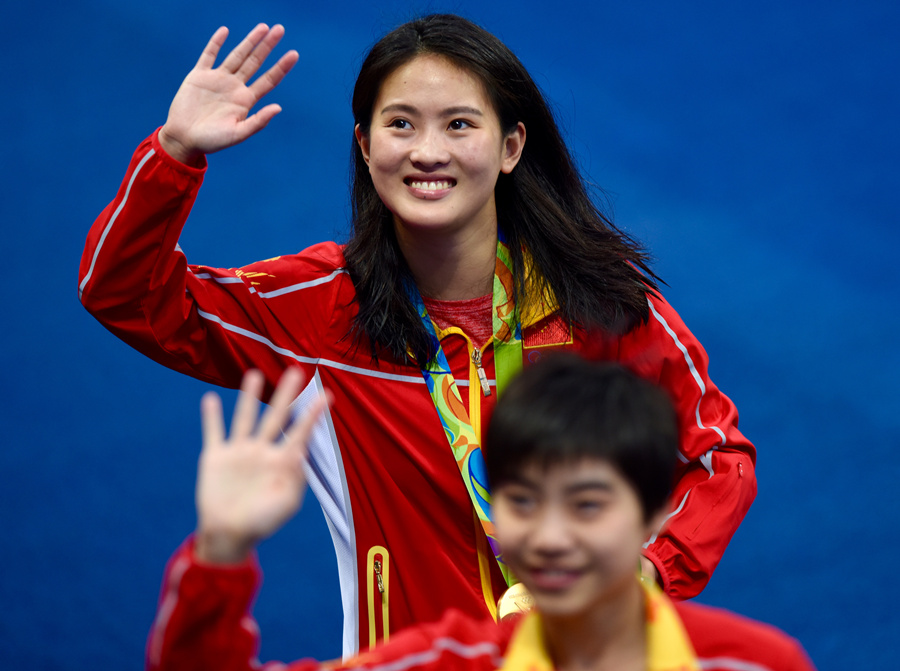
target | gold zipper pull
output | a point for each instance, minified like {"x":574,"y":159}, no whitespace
{"x":482,"y":376}
{"x":378,"y":578}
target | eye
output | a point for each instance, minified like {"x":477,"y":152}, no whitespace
{"x":519,"y":501}
{"x":459,"y":124}
{"x":522,"y":501}
{"x":402,"y":124}
{"x":588,"y":507}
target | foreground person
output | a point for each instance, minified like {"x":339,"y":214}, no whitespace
{"x":580,"y":457}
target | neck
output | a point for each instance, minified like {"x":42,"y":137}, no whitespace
{"x":611,"y":636}
{"x":451,"y":267}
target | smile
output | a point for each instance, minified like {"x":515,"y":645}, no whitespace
{"x":431,"y":186}
{"x":553,"y":579}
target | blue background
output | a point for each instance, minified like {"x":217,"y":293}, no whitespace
{"x":752,"y":146}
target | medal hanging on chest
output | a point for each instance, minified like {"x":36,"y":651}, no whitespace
{"x":461,"y":436}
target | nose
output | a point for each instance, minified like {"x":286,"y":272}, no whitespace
{"x":550,"y":534}
{"x":430,"y":150}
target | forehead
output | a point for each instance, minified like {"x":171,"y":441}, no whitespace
{"x":431,"y":78}
{"x":575,"y":473}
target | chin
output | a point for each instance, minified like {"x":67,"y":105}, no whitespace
{"x":423,"y":224}
{"x":584,"y":596}
{"x":561,"y":602}
{"x":572,"y":606}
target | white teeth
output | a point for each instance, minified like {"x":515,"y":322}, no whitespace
{"x":430,"y":186}
{"x":555,"y":572}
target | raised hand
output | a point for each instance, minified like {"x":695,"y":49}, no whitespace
{"x":251,"y":483}
{"x":211,"y":110}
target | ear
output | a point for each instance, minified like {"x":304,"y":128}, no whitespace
{"x":363,"y":141}
{"x":512,"y":148}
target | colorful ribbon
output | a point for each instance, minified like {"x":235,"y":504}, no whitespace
{"x":464,"y":443}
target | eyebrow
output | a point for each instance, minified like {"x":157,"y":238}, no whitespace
{"x":576,"y":488}
{"x":593,"y":485}
{"x":449,"y":111}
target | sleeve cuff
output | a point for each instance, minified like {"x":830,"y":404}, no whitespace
{"x":250,"y":564}
{"x":664,"y":581}
{"x":174,"y":163}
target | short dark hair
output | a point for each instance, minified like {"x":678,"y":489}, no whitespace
{"x":565,"y":408}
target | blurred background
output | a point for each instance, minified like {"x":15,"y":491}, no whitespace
{"x":752,"y":146}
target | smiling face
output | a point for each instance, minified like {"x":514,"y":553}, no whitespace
{"x":435,"y":148}
{"x":572,"y":534}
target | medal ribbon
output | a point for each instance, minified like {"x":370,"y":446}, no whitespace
{"x":464,"y":443}
{"x":507,"y":323}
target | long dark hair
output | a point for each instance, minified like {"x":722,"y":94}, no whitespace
{"x":591,"y":268}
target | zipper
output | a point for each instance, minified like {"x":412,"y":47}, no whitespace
{"x":477,"y":374}
{"x":378,"y":583}
{"x":482,"y":376}
{"x":379,"y":579}
{"x":482,"y":548}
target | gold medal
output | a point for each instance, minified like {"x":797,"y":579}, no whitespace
{"x":515,"y":601}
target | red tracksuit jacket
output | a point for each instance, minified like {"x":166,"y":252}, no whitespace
{"x":379,"y":462}
{"x":204,"y":621}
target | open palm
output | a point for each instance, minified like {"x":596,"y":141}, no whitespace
{"x":250,"y":483}
{"x":211,"y":110}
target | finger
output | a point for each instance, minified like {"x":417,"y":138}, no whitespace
{"x":279,"y":411}
{"x":256,"y":122}
{"x":297,"y":437}
{"x":247,"y":407}
{"x":239,"y":54}
{"x":273,"y":76}
{"x":211,"y":421}
{"x":211,"y":51}
{"x":260,"y":52}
